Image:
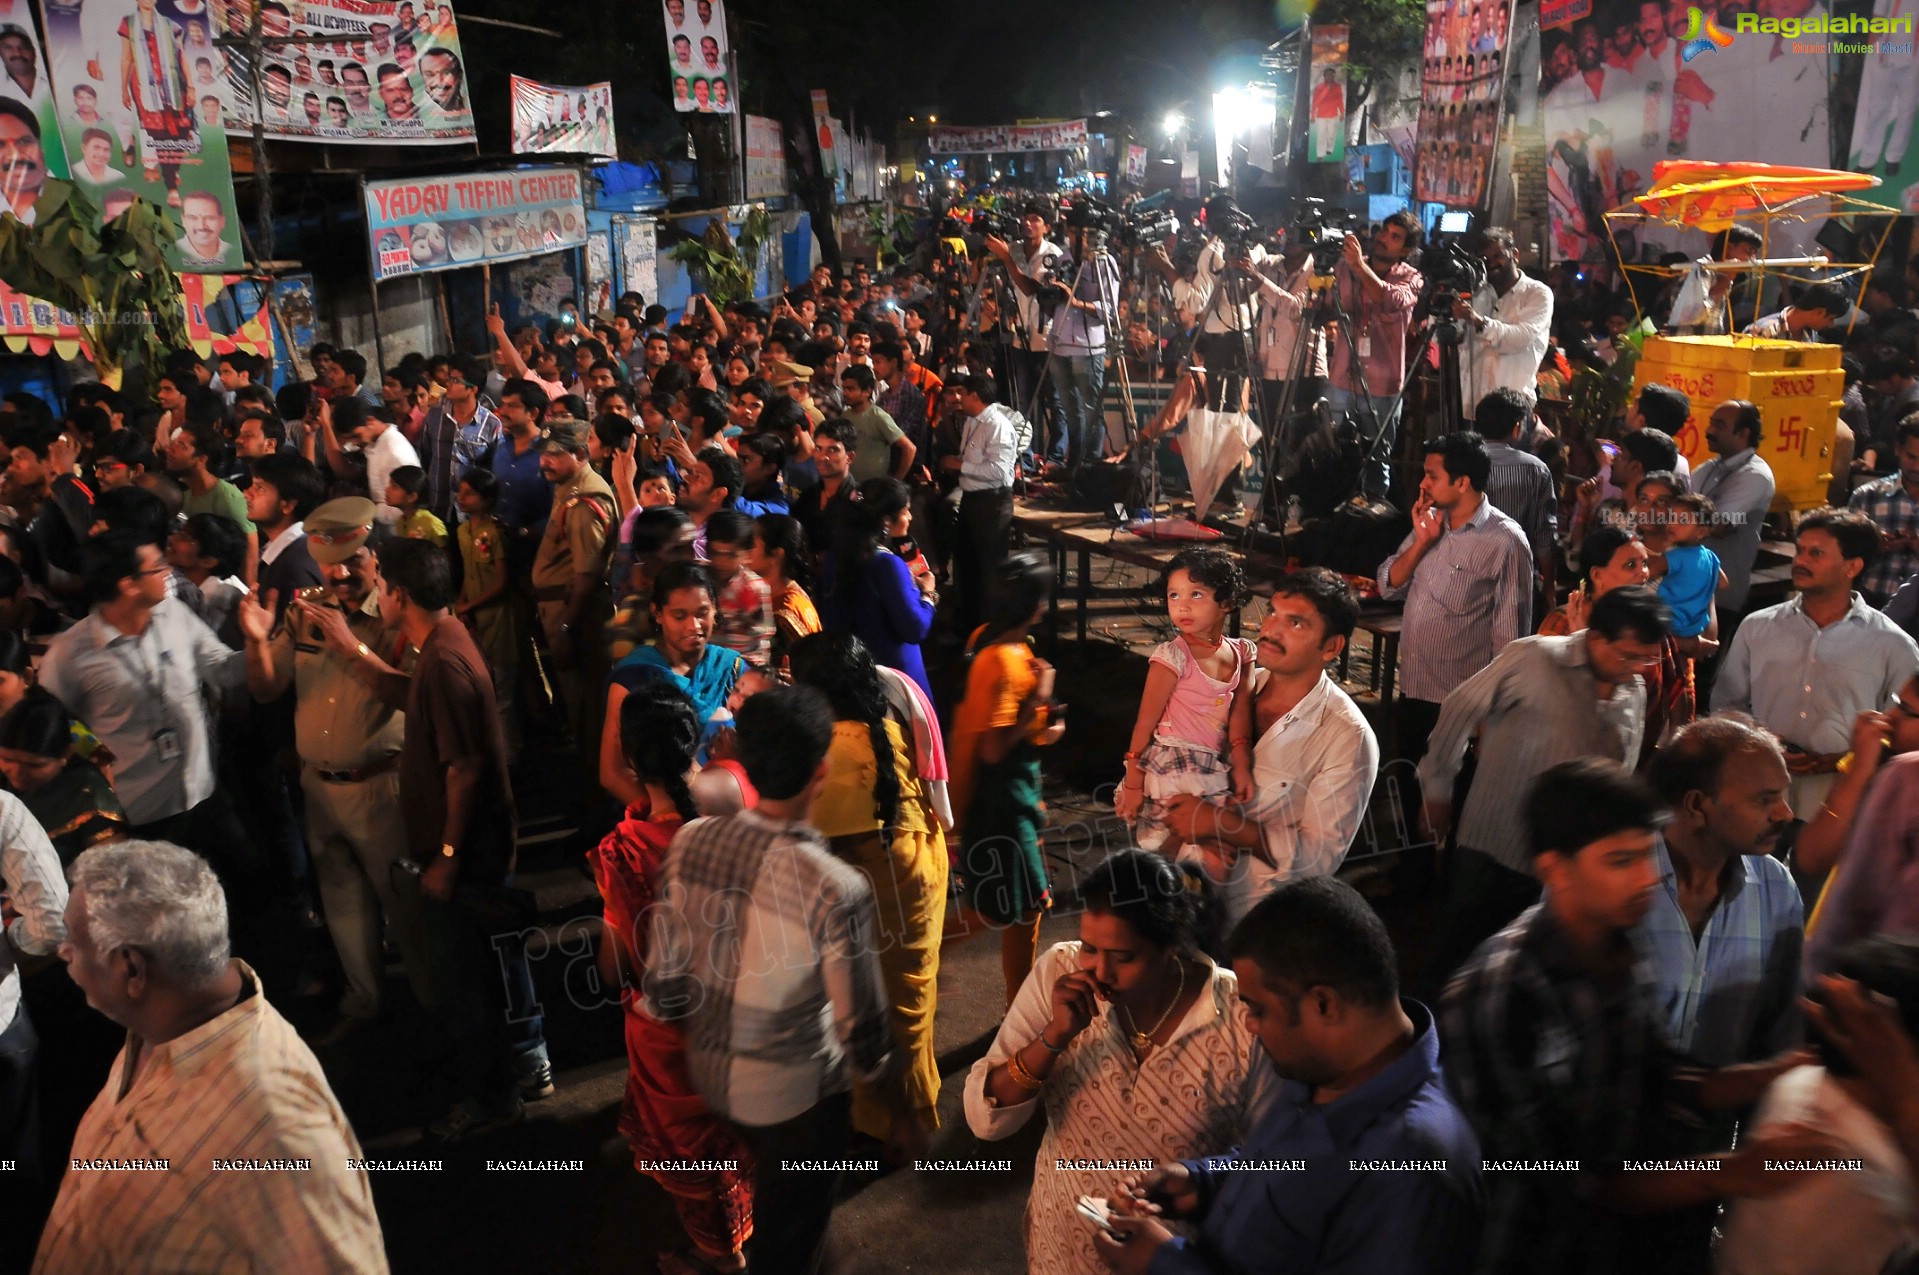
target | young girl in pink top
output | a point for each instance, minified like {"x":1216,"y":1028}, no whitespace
{"x":1195,"y":727}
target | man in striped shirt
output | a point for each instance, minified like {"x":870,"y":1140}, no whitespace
{"x":1465,"y":572}
{"x":217,"y":1143}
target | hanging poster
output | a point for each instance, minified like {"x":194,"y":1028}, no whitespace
{"x":1326,"y":100}
{"x":443,"y":223}
{"x":696,"y":51}
{"x":1619,"y":91}
{"x":1136,"y":165}
{"x":28,"y":125}
{"x":829,"y":162}
{"x":638,"y":241}
{"x":599,"y":271}
{"x":562,"y":119}
{"x":389,"y":72}
{"x":1888,"y":101}
{"x":765,"y":158}
{"x":1055,"y":135}
{"x":1463,"y":87}
{"x":131,"y":79}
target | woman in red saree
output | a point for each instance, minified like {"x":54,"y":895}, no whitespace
{"x":663,"y":1117}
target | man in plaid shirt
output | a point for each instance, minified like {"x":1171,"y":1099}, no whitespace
{"x":763,"y":948}
{"x":1893,"y":503}
{"x":1588,"y":1122}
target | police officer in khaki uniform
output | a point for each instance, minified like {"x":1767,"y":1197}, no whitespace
{"x":348,"y":741}
{"x":569,"y":582}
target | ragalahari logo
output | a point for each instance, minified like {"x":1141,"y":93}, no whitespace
{"x":1702,"y":35}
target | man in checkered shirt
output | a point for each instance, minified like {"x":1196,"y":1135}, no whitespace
{"x":763,"y":948}
{"x":1893,"y":503}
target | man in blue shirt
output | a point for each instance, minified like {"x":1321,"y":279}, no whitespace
{"x":1726,"y":928}
{"x":1363,"y":1163}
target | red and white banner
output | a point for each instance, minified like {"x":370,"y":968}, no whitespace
{"x":440,"y":223}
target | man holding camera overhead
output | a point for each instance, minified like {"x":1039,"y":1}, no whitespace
{"x":1027,"y":263}
{"x":1376,"y":293}
{"x":1508,"y":321}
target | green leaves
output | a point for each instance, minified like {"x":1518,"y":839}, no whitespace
{"x":723,"y":268}
{"x":115,"y":282}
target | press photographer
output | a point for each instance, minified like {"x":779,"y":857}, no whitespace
{"x":1221,"y":291}
{"x":1027,"y":265}
{"x":1506,"y":323}
{"x":1085,"y":304}
{"x":1376,"y":292}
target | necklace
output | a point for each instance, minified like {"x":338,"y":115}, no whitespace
{"x":1143,"y":1041}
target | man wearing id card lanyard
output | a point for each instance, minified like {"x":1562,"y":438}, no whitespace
{"x":133,"y":671}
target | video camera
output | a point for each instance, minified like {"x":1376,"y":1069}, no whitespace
{"x":1084,"y":212}
{"x":1228,"y":222}
{"x":996,"y":223}
{"x":1144,"y":227}
{"x":1323,"y":232}
{"x":1452,"y":272}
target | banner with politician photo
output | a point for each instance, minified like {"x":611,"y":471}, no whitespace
{"x":1625,"y":86}
{"x":1326,"y":99}
{"x":384,"y":72}
{"x":130,"y":85}
{"x":696,"y":51}
{"x":1888,"y":102}
{"x":28,"y":126}
{"x":562,"y":119}
{"x":1463,"y":83}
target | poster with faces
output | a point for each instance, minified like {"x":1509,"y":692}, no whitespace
{"x":378,"y":71}
{"x":1464,"y":63}
{"x":696,"y":50}
{"x":562,"y":119}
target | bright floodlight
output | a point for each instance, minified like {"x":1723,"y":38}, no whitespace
{"x":1174,"y":122}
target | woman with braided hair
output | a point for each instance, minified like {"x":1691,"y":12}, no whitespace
{"x":875,"y":810}
{"x":662,"y":1116}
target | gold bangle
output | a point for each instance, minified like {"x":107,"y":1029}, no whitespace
{"x":1021,"y":1076}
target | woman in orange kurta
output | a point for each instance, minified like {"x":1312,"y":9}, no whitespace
{"x":662,"y":1116}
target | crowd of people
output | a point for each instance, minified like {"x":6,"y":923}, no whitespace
{"x":274,"y":663}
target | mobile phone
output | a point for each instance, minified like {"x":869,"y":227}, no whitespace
{"x":1094,"y":1210}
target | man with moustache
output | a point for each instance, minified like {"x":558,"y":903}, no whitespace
{"x":1314,"y":762}
{"x":23,"y":165}
{"x":1806,"y":668}
{"x":1726,"y":927}
{"x":445,"y":82}
{"x":356,"y":86}
{"x":396,"y":94}
{"x":16,"y":54}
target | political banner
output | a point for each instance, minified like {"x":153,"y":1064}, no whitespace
{"x":1629,"y":86}
{"x":35,"y":151}
{"x":562,"y":119}
{"x":1464,"y":84}
{"x":129,"y":83}
{"x":443,"y":223}
{"x":822,"y":113}
{"x":1326,"y":100}
{"x":1136,"y":165}
{"x":1888,"y":102}
{"x":385,"y":72}
{"x":696,"y":51}
{"x":992,"y":138}
{"x":638,"y":242}
{"x":765,"y":158}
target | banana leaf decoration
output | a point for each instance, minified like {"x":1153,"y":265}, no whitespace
{"x":116,"y":282}
{"x":722,"y":268}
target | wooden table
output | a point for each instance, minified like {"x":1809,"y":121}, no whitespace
{"x":1384,"y":622}
{"x":1084,"y":540}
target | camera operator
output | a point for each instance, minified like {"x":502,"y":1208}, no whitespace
{"x":1377,"y":292}
{"x":1284,"y":291}
{"x":1508,"y":322}
{"x":1027,"y":263}
{"x":1080,"y":324}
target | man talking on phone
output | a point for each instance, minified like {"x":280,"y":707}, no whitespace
{"x":1362,"y":1162}
{"x":1508,"y":321}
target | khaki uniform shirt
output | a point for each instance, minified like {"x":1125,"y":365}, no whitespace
{"x":578,"y":540}
{"x":339,"y":722}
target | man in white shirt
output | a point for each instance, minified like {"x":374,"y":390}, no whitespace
{"x":37,"y":890}
{"x":989,"y":456}
{"x":1026,"y":263}
{"x":385,"y":448}
{"x":1314,"y":762}
{"x":1508,"y":321}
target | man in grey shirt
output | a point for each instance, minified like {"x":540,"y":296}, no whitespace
{"x":1466,"y":574}
{"x":1807,"y":668}
{"x":1544,"y":701}
{"x":1740,"y":486}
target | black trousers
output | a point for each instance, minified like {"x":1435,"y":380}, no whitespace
{"x":985,"y":528}
{"x":791,"y":1207}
